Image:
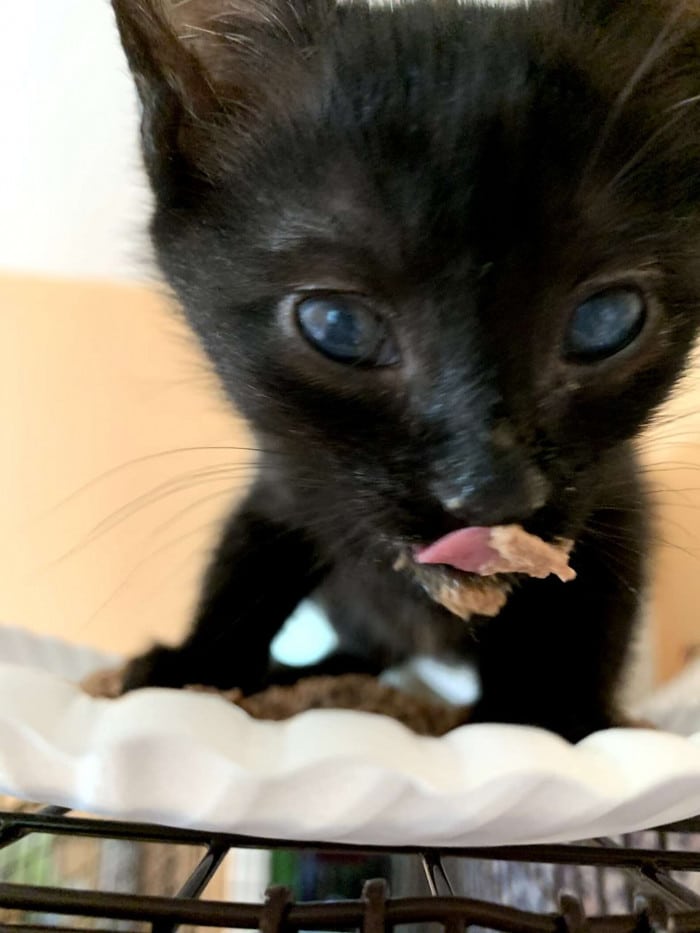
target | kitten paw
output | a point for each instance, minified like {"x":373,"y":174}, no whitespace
{"x":159,"y":667}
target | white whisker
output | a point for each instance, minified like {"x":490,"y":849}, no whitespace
{"x":641,"y":152}
{"x":684,"y":103}
{"x":657,"y":50}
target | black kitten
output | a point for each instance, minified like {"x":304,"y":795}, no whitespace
{"x":446,"y":260}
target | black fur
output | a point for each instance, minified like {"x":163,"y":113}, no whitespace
{"x":474,"y":171}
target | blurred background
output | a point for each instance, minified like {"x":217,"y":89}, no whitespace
{"x":113,"y":425}
{"x":107,"y":403}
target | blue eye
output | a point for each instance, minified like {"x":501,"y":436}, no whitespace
{"x":343,"y":328}
{"x":604,"y":325}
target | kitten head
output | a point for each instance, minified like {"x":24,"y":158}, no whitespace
{"x":446,"y":258}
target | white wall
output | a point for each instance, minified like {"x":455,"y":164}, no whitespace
{"x":73,"y":199}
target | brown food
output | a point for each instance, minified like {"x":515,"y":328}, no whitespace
{"x":349,"y":691}
{"x":521,"y":552}
{"x":466,"y":601}
{"x":465,"y":595}
{"x":105,"y":684}
{"x":358,"y":692}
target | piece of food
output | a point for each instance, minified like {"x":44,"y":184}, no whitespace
{"x":520,"y":552}
{"x":463,"y":596}
{"x":503,"y":549}
{"x":349,"y":691}
{"x":484,"y":553}
{"x":105,"y":684}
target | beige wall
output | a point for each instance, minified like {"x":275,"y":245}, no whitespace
{"x":101,"y":381}
{"x":677,"y":590}
{"x":92,"y":378}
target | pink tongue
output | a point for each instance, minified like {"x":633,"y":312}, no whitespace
{"x":467,"y":549}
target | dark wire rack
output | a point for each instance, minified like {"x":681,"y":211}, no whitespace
{"x":661,"y":902}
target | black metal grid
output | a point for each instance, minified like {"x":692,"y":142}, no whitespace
{"x":662,"y":903}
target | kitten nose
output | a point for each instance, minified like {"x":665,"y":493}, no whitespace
{"x":507,"y":495}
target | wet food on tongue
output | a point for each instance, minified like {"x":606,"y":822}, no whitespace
{"x":483,"y":553}
{"x":502,"y":549}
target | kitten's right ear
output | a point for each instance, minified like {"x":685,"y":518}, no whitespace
{"x":198,"y":63}
{"x":177,"y":97}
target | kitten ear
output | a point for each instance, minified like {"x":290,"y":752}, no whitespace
{"x":196,"y":62}
{"x":175,"y":91}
